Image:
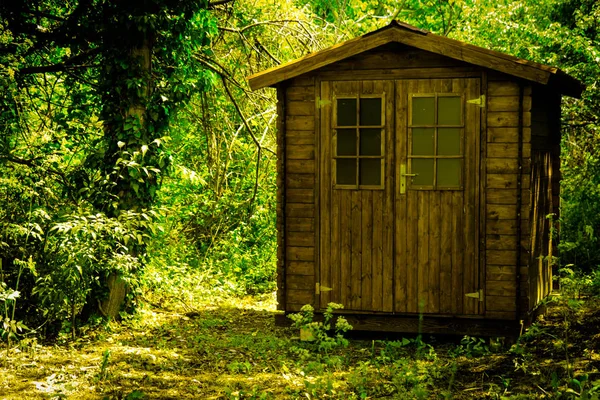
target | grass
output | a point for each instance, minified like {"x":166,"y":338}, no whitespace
{"x":231,"y":349}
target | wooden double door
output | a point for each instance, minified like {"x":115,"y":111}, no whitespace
{"x":399,"y":196}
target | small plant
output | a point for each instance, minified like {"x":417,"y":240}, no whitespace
{"x":237,"y":367}
{"x":471,"y":347}
{"x":412,"y":378}
{"x":574,"y":284}
{"x":304,"y":320}
{"x":103,"y":373}
{"x":359,"y":379}
{"x":582,"y":388}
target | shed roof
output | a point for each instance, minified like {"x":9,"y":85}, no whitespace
{"x":409,"y":35}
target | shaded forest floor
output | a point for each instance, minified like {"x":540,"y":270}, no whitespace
{"x":232,"y":349}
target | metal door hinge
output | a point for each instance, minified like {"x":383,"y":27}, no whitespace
{"x":322,"y":103}
{"x":476,"y":295}
{"x":319,"y":288}
{"x":480,"y":101}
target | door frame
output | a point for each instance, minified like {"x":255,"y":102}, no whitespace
{"x":479,"y":160}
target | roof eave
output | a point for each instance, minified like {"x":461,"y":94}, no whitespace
{"x":414,"y":37}
{"x":320,"y":59}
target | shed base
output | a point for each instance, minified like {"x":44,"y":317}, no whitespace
{"x":428,"y":325}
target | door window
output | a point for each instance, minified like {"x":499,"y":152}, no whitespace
{"x":436,"y":133}
{"x":358,"y":140}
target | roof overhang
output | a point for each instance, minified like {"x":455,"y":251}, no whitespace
{"x":411,"y":36}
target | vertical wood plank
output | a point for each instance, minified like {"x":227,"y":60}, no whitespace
{"x":458,"y":293}
{"x":413,"y":272}
{"x":434,"y":252}
{"x":324,"y":195}
{"x":482,"y":190}
{"x":335,"y":247}
{"x":400,"y":262}
{"x":470,"y":285}
{"x":423,"y":251}
{"x":377,"y":254}
{"x":346,"y":247}
{"x":446,"y":214}
{"x":388,"y":214}
{"x":367,"y":242}
{"x":474,"y":90}
{"x":355,"y":284}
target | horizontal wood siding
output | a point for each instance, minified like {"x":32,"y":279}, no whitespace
{"x":395,"y":56}
{"x":502,"y":213}
{"x":280,"y":224}
{"x":299,"y":194}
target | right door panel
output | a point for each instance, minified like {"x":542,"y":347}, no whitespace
{"x":436,"y":197}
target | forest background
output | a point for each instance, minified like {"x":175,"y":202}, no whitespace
{"x":137,"y":167}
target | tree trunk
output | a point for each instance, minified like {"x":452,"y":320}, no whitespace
{"x":117,"y":287}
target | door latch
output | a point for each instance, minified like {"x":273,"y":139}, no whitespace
{"x":403,"y":176}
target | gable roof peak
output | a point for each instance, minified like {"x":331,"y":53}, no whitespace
{"x":403,"y":33}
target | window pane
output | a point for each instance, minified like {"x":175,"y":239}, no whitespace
{"x":345,"y":171}
{"x":370,"y":142}
{"x":423,"y":111}
{"x":449,"y":111}
{"x":448,"y":141}
{"x":370,"y":111}
{"x":424,"y":170}
{"x":422,"y":141}
{"x":448,"y":173}
{"x":370,"y":171}
{"x":346,"y":142}
{"x":346,"y":112}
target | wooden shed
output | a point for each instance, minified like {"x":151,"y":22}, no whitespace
{"x":415,"y":177}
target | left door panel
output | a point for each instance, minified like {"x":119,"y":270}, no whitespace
{"x":356,"y":195}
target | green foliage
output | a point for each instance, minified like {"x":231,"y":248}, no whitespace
{"x":581,"y":388}
{"x":563,"y":34}
{"x":471,"y":347}
{"x":575,"y":283}
{"x":76,"y":271}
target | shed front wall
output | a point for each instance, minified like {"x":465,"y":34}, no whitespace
{"x":505,"y":178}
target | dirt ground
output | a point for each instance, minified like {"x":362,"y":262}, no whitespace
{"x":233,"y":350}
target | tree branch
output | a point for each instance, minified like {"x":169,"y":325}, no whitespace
{"x":45,"y":15}
{"x":274,"y":22}
{"x":245,"y":121}
{"x":64,"y":66}
{"x":213,"y":4}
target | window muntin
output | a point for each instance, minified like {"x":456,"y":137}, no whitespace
{"x":435,"y":150}
{"x":358,"y":142}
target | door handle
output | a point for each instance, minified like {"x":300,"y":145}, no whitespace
{"x":403,"y":176}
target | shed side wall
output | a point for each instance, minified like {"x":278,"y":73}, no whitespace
{"x":502,"y":174}
{"x":300,"y":181}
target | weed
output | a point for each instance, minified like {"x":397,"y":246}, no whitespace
{"x":103,"y":373}
{"x":359,"y":379}
{"x":237,"y":367}
{"x":581,"y":388}
{"x":471,"y":347}
{"x":304,"y":320}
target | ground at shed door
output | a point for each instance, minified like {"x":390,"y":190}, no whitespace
{"x":233,"y":350}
